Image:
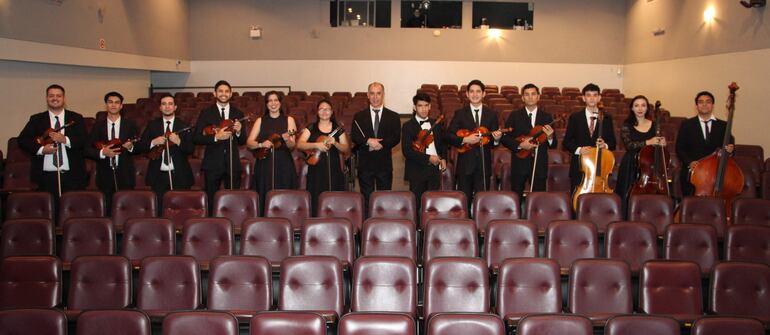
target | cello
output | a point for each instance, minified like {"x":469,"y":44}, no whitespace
{"x":596,"y":166}
{"x":718,"y":175}
{"x":653,"y":165}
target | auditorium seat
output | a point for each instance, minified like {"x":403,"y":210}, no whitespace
{"x":718,"y":325}
{"x":26,"y":237}
{"x":33,"y":321}
{"x":246,"y":174}
{"x":765,"y":185}
{"x":449,"y":238}
{"x":692,"y":242}
{"x":29,"y":205}
{"x":569,"y":240}
{"x":271,"y":238}
{"x":389,"y":237}
{"x":557,"y":157}
{"x":558,"y":178}
{"x":671,"y":288}
{"x":632,"y":242}
{"x":384,"y":284}
{"x":455,"y":284}
{"x":241,"y":285}
{"x":600,"y":289}
{"x":132,"y":204}
{"x":755,"y":151}
{"x":293,"y":205}
{"x":178,"y":206}
{"x":236,"y":205}
{"x":15,"y":152}
{"x":16,"y":176}
{"x":641,"y":325}
{"x":98,"y":282}
{"x":599,"y":208}
{"x":447,"y":180}
{"x":465,"y":323}
{"x":528,"y":286}
{"x":509,"y":239}
{"x":140,"y":173}
{"x":554,"y":325}
{"x":282,"y":323}
{"x":376,"y":323}
{"x":656,"y":209}
{"x":86,"y":237}
{"x":81,"y":204}
{"x":751,"y":211}
{"x":748,"y":243}
{"x":706,"y":210}
{"x":342,"y":204}
{"x":494,"y":205}
{"x":741,"y":289}
{"x":328,"y":237}
{"x":544,"y":207}
{"x":168,"y":283}
{"x":206,"y":238}
{"x":198,"y":177}
{"x":299,"y":289}
{"x":99,"y":322}
{"x":143,"y":237}
{"x":442,"y":205}
{"x":200,"y":323}
{"x":30,"y":282}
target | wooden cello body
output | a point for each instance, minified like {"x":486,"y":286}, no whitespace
{"x":596,"y":166}
{"x":653,"y":166}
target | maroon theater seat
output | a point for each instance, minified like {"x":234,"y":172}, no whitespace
{"x":178,"y":206}
{"x":293,"y":205}
{"x":168,"y":283}
{"x":236,"y":205}
{"x":528,"y":286}
{"x":241,"y":285}
{"x":206,"y":238}
{"x":450,"y":238}
{"x":300,"y":289}
{"x":384,"y":284}
{"x":641,"y":325}
{"x":465,"y":323}
{"x":671,"y":288}
{"x":392,"y":205}
{"x":748,"y":243}
{"x":600,"y":289}
{"x":339,"y":204}
{"x":282,"y":323}
{"x":741,"y":289}
{"x":717,"y":325}
{"x":389,"y":237}
{"x":87,"y":237}
{"x":693,"y":242}
{"x":567,"y":241}
{"x":30,"y":282}
{"x":131,"y":205}
{"x":495,"y":205}
{"x":98,"y":322}
{"x":599,"y":208}
{"x":81,"y":204}
{"x":99,"y":282}
{"x":271,"y":238}
{"x":26,"y":237}
{"x":704,"y":210}
{"x":200,"y":322}
{"x":29,"y":205}
{"x":544,"y":207}
{"x":456,"y":284}
{"x":554,"y":325}
{"x":442,"y":205}
{"x":33,"y":321}
{"x":145,"y":237}
{"x":632,"y":242}
{"x":376,"y":323}
{"x":751,"y":211}
{"x":328,"y":237}
{"x":509,"y":239}
{"x":656,"y":209}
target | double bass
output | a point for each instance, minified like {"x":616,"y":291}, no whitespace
{"x":718,"y":175}
{"x":653,"y":165}
{"x":596,"y":166}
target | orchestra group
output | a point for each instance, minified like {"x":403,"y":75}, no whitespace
{"x":59,"y":143}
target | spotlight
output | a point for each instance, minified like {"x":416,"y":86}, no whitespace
{"x":709,"y":14}
{"x":425,"y":5}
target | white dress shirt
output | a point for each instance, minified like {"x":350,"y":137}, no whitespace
{"x":48,"y":164}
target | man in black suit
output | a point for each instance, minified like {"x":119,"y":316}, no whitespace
{"x":171,"y":170}
{"x":64,"y":155}
{"x":522,"y":121}
{"x":221,"y":161}
{"x":581,"y":134}
{"x":698,"y":137}
{"x":114,"y":164}
{"x":423,"y":168}
{"x":474,"y":167}
{"x":376,"y":130}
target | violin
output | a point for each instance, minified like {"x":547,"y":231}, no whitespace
{"x":277,"y":140}
{"x":313,"y":156}
{"x":46,"y":139}
{"x":225,"y":125}
{"x":115,"y":144}
{"x":157,"y":151}
{"x":483,"y":132}
{"x":425,"y":137}
{"x":653,"y":165}
{"x":536,"y":135}
{"x":596,"y":166}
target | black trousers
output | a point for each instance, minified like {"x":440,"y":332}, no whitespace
{"x":428,"y":179}
{"x":519,"y":180}
{"x":161,"y":186}
{"x":369,"y":181}
{"x":69,"y":182}
{"x":472,"y":183}
{"x":213,"y":179}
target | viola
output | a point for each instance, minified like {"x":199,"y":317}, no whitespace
{"x":596,"y":166}
{"x":653,"y":165}
{"x":483,"y":132}
{"x":115,"y":144}
{"x":46,"y":139}
{"x":536,"y":135}
{"x":313,"y":156}
{"x":225,"y":125}
{"x":157,"y":151}
{"x":277,"y":140}
{"x":425,"y":137}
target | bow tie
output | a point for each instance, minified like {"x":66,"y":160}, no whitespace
{"x":426,"y":121}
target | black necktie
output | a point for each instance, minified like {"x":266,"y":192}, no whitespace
{"x":707,"y":125}
{"x":529,"y":117}
{"x":223,"y":113}
{"x":592,"y":127}
{"x":478,"y":122}
{"x":376,"y":121}
{"x":166,"y":155}
{"x":113,"y":160}
{"x":59,"y":159}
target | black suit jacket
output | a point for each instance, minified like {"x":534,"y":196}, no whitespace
{"x":519,"y":121}
{"x":417,"y":162}
{"x":690,"y":144}
{"x":467,"y":162}
{"x":183,"y":177}
{"x":125,"y":169}
{"x":389,"y":132}
{"x":578,"y":135}
{"x":215,"y":156}
{"x":36,"y":126}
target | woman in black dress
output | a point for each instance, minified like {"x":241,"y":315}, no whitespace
{"x":276,"y":169}
{"x":327,"y":174}
{"x":637,"y":132}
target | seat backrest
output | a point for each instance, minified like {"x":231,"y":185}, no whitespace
{"x":29,"y":205}
{"x":133,"y":204}
{"x":99,"y":282}
{"x":30,"y":282}
{"x":450,"y":238}
{"x":81,"y":204}
{"x":717,"y":325}
{"x":739,"y":288}
{"x":670,"y":287}
{"x":207,"y":238}
{"x":374,"y":323}
{"x":465,"y":323}
{"x":692,"y":242}
{"x":26,"y":237}
{"x":706,"y":210}
{"x":178,"y":206}
{"x":140,"y":173}
{"x":144,"y":237}
{"x":282,"y":323}
{"x":569,"y":240}
{"x":328,"y":237}
{"x":236,"y":205}
{"x":509,"y":239}
{"x":299,"y":289}
{"x":384,"y":284}
{"x":456,"y":284}
{"x":748,"y":243}
{"x":442,"y":205}
{"x":168,"y":283}
{"x":558,"y":178}
{"x":341,"y":204}
{"x":392,"y":205}
{"x":33,"y":321}
{"x":271,"y":238}
{"x":657,"y":209}
{"x":528,"y":285}
{"x":599,"y":208}
{"x":544,"y":207}
{"x":641,"y":325}
{"x":99,"y":322}
{"x":389,"y":237}
{"x":632,"y":242}
{"x":16,"y":176}
{"x":554,"y":325}
{"x":751,"y":211}
{"x":293,"y":205}
{"x":87,"y":236}
{"x":242,"y":283}
{"x":600,"y":286}
{"x":209,"y":322}
{"x":495,"y":205}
